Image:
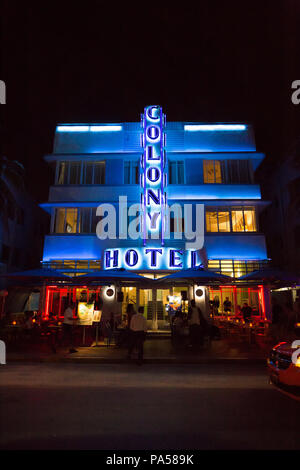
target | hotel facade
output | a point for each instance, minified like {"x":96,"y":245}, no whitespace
{"x":155,"y":197}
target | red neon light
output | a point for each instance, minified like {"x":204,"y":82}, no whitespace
{"x":279,"y":344}
{"x":263,"y":301}
{"x":47,"y":302}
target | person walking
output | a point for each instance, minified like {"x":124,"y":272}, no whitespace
{"x":68,"y":327}
{"x":138,"y":330}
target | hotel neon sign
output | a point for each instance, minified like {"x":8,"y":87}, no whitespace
{"x":151,"y":258}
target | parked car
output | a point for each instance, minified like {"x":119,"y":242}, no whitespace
{"x":283,"y":368}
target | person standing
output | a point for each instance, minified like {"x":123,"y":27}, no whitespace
{"x":68,"y":327}
{"x":246,"y":312}
{"x":197,"y":323}
{"x":130,"y":312}
{"x":138,"y":330}
{"x":227,"y":306}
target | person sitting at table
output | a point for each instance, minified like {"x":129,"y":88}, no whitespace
{"x":227,"y":305}
{"x":246,"y":312}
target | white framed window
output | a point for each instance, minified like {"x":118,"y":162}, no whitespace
{"x":87,"y":172}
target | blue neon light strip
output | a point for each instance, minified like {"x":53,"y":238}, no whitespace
{"x":215,"y":127}
{"x":108,"y":128}
{"x":105,"y":128}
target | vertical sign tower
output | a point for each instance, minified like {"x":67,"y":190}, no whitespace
{"x":153,"y":177}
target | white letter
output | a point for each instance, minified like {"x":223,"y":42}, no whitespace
{"x":2,"y":92}
{"x":109,"y":220}
{"x":177,"y":211}
{"x":188,"y":226}
{"x":2,"y":353}
{"x":133,"y":233}
{"x":297,"y":352}
{"x":123,"y":217}
{"x":296,"y":95}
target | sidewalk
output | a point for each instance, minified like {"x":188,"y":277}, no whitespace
{"x":156,"y":350}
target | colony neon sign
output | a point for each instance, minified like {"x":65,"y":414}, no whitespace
{"x":153,"y":178}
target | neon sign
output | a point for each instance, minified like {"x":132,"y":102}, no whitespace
{"x":153,"y":178}
{"x":150,"y":258}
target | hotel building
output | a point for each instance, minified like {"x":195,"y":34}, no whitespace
{"x":205,"y":168}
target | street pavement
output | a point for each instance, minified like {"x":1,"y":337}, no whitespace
{"x":154,"y":406}
{"x":155,"y":351}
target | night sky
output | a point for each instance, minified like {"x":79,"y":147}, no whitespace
{"x":101,"y":62}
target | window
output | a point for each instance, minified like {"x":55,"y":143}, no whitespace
{"x":237,"y":171}
{"x":66,"y":220}
{"x":212,"y":221}
{"x":88,"y":173}
{"x":99,"y":173}
{"x":73,"y":220}
{"x":227,"y":171}
{"x":237,"y":221}
{"x":85,"y":220}
{"x":212,"y":171}
{"x":176,"y":172}
{"x":234,"y":219}
{"x":131,"y":172}
{"x":93,"y":173}
{"x":70,"y":173}
{"x":59,"y":220}
{"x":74,"y":172}
{"x":218,"y":221}
{"x":243,"y":220}
{"x":235,"y":268}
{"x":74,"y":265}
{"x":63,"y":173}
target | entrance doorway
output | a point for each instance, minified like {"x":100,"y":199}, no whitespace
{"x":161,"y":304}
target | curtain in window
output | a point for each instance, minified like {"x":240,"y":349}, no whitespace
{"x":250,"y":223}
{"x":237,"y":221}
{"x":223,"y":221}
{"x":60,"y":220}
{"x":71,"y":221}
{"x":211,"y":221}
{"x":63,"y":173}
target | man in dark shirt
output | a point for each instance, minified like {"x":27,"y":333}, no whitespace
{"x":246,"y":312}
{"x":227,"y":305}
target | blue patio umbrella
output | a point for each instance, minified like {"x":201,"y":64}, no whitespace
{"x":197,"y":275}
{"x":44,"y":274}
{"x":272,"y":276}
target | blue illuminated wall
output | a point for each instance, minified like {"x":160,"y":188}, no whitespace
{"x":185,"y":141}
